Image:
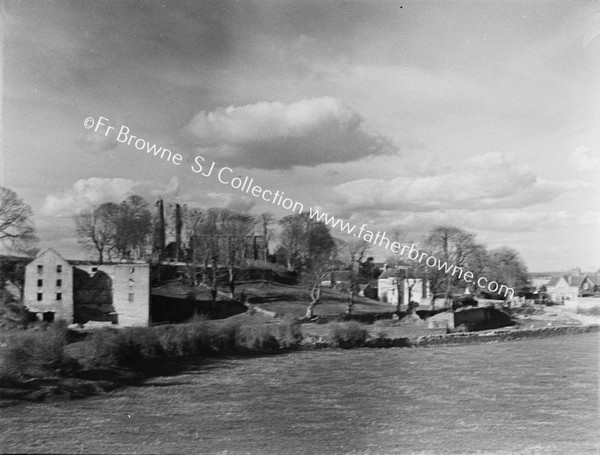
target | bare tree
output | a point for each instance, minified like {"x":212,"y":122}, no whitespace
{"x":454,"y":247}
{"x":321,"y":260}
{"x":236,"y":229}
{"x":356,"y":251}
{"x":208,"y":245}
{"x":96,"y":229}
{"x":123,"y":229}
{"x":293,"y":237}
{"x":17,"y":232}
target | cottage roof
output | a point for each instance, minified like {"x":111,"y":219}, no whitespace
{"x":554,"y":281}
{"x":595,"y":279}
{"x":576,"y":280}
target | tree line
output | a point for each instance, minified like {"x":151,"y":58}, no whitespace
{"x":216,"y":238}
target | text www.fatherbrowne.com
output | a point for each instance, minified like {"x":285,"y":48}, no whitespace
{"x":226,"y":176}
{"x":380,"y":239}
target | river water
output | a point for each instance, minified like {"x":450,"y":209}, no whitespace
{"x":534,"y":396}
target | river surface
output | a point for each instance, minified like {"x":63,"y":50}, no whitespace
{"x":534,"y":396}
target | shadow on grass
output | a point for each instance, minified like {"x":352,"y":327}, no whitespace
{"x":95,"y":381}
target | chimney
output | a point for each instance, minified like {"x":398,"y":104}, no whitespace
{"x":178,"y":227}
{"x":160,"y":229}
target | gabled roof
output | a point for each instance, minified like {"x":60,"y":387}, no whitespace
{"x":49,"y":251}
{"x":555,"y":280}
{"x":571,"y":280}
{"x":595,"y":279}
{"x":576,"y":280}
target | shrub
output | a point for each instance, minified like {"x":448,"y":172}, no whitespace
{"x":132,"y":346}
{"x":38,"y":354}
{"x":590,"y":311}
{"x":199,"y":335}
{"x":347,"y":335}
{"x":222,"y":336}
{"x":171,"y":340}
{"x":289,"y":332}
{"x":102,"y":347}
{"x":256,"y":338}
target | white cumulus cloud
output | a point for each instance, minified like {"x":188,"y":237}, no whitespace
{"x":275,"y":135}
{"x":91,"y":192}
{"x":483,"y":182}
{"x":585,"y":159}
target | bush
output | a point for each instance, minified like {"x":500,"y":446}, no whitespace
{"x":256,"y":338}
{"x":289,"y":332}
{"x":590,"y":311}
{"x":102,"y":347}
{"x":222,"y":336}
{"x":132,"y":346}
{"x":38,"y":354}
{"x":347,"y":335}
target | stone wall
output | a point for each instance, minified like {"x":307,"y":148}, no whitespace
{"x":131,"y":294}
{"x":128,"y":292}
{"x":316,"y":342}
{"x":48,"y":288}
{"x":501,"y":335}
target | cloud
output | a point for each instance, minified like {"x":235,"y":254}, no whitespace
{"x":490,"y":221}
{"x":489,"y":181}
{"x":98,"y":143}
{"x":91,"y":192}
{"x":274,"y":135}
{"x":585,"y":159}
{"x":229,"y":201}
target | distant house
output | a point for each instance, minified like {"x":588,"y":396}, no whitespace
{"x":562,"y":288}
{"x":595,"y":278}
{"x":387,"y":288}
{"x":538,"y":282}
{"x":80,"y":291}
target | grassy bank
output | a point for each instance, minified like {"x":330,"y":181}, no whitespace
{"x":34,"y":360}
{"x":36,"y":364}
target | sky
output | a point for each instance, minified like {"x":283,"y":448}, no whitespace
{"x":400,"y":115}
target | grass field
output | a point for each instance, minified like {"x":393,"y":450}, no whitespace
{"x":537,"y":396}
{"x":293,"y":300}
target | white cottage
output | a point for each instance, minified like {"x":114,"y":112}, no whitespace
{"x":415,"y":289}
